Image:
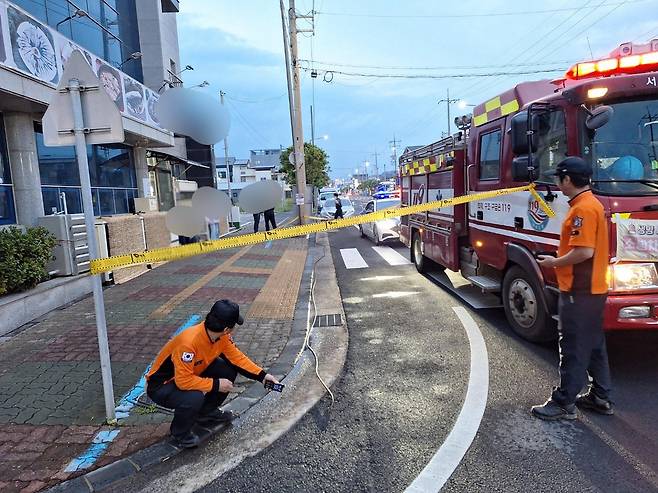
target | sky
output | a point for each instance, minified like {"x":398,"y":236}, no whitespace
{"x":238,"y":48}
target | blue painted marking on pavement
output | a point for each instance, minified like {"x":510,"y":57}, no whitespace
{"x":128,"y":401}
{"x":268,"y":244}
{"x":101,"y":441}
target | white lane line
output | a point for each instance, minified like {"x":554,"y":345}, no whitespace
{"x":390,"y":255}
{"x":440,"y":467}
{"x":352,"y":258}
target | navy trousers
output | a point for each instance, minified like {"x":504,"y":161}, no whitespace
{"x":188,"y":405}
{"x":582,"y":347}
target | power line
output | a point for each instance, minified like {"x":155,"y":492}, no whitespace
{"x":467,"y":16}
{"x":248,"y":126}
{"x":445,"y":67}
{"x":256,"y":101}
{"x":433,"y":76}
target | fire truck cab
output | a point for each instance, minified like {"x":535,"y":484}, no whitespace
{"x":605,"y":111}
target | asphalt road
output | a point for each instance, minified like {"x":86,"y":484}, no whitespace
{"x":403,"y":386}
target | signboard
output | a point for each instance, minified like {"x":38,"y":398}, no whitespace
{"x":299,"y":199}
{"x":637,"y":239}
{"x":40,"y":52}
{"x":100,"y":114}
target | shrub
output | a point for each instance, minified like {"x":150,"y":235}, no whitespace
{"x":23,"y":258}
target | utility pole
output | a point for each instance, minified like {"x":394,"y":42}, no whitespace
{"x":312,"y":127}
{"x":394,"y":147}
{"x":228,"y":169}
{"x":377,"y":165}
{"x":298,"y":130}
{"x":448,"y":102}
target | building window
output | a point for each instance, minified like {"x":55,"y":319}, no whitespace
{"x":490,"y":156}
{"x":7,"y":212}
{"x":111,"y":171}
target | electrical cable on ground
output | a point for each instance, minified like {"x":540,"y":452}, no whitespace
{"x":309,"y":327}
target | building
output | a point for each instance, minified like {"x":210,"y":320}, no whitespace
{"x":133,"y":47}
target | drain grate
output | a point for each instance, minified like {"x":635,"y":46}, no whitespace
{"x":328,"y":320}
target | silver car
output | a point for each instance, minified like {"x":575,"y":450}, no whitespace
{"x":385,"y":229}
{"x":329,"y":208}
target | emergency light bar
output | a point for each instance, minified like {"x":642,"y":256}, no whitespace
{"x":630,"y":64}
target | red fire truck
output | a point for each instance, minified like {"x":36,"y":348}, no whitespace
{"x":605,"y":111}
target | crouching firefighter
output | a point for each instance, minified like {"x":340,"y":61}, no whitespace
{"x":195,"y":371}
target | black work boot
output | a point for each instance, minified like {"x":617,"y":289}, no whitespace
{"x":594,"y":403}
{"x":216,"y":417}
{"x":189,"y":440}
{"x":552,"y":411}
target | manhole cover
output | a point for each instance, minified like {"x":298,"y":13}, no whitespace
{"x":328,"y":320}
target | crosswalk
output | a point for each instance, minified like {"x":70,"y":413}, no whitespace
{"x":353,"y":259}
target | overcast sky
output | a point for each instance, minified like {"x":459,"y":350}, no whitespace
{"x":238,"y":48}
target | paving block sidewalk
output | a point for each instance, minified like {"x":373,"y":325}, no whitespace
{"x":51,"y":397}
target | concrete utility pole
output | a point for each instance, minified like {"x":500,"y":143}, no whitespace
{"x":394,"y":147}
{"x":228,"y":169}
{"x":298,"y":130}
{"x":377,"y":165}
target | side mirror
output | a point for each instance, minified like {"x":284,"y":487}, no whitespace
{"x":599,"y":117}
{"x":520,"y":170}
{"x":519,"y":133}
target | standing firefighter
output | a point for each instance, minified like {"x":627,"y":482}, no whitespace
{"x":195,"y":371}
{"x":581,"y":268}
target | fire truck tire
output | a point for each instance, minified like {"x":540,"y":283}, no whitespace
{"x":525,"y":306}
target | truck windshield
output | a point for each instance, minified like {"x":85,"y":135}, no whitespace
{"x":624,"y":152}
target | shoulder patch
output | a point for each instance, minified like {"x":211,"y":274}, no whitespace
{"x":577,"y":222}
{"x":187,"y":357}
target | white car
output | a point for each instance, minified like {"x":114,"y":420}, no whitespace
{"x":329,"y":208}
{"x":385,"y":229}
{"x":324,"y":196}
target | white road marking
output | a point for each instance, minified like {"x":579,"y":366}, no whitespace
{"x":352,"y":258}
{"x":390,"y":255}
{"x":440,"y":467}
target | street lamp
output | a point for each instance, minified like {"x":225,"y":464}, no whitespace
{"x":205,"y":83}
{"x":133,"y":56}
{"x":324,"y":137}
{"x":77,"y":13}
{"x":463,"y":104}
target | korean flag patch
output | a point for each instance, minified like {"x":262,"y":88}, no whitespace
{"x":577,"y":222}
{"x":187,"y":357}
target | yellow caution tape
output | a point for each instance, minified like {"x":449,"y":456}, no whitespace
{"x":101,"y":265}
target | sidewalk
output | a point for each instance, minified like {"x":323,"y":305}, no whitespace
{"x":51,"y":399}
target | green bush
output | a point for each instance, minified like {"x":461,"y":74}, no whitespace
{"x":23,"y":258}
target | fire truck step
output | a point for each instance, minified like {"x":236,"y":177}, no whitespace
{"x":485,"y":283}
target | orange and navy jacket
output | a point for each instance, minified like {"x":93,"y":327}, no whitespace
{"x":584,"y":226}
{"x":185,"y":357}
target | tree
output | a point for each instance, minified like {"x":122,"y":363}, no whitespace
{"x":317,"y":166}
{"x":368,"y":185}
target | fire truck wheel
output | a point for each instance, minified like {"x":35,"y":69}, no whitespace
{"x":525,"y":306}
{"x":420,"y":261}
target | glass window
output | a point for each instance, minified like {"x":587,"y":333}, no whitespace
{"x":93,"y":8}
{"x":57,"y":165}
{"x":552,"y":142}
{"x":57,"y":11}
{"x":88,"y":35}
{"x":106,"y":197}
{"x":112,"y":167}
{"x":490,"y":156}
{"x":624,"y":152}
{"x":121,"y":205}
{"x":51,"y":203}
{"x":35,"y":7}
{"x":7,"y":215}
{"x":5,"y":172}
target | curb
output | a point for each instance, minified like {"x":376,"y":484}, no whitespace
{"x":164,"y":450}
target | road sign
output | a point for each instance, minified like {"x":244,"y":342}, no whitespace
{"x":82,"y":113}
{"x":102,"y":119}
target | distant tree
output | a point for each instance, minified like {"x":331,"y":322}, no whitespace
{"x":368,"y":185}
{"x":317,"y":166}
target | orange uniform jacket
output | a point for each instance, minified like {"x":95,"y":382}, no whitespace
{"x":186,"y":356}
{"x":584,"y":226}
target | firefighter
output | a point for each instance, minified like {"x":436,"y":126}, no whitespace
{"x":195,"y":371}
{"x":581,"y":266}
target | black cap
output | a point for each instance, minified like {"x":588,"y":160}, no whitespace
{"x":224,"y":313}
{"x":573,"y":165}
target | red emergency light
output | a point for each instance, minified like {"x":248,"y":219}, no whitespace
{"x":629,"y":64}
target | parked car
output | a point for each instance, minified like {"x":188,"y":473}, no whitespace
{"x":385,"y":229}
{"x":329,"y":209}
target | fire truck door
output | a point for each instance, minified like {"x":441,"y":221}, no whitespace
{"x":442,"y":222}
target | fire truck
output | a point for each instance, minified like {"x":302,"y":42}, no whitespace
{"x":605,"y":111}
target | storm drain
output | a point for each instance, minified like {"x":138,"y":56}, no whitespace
{"x":328,"y":320}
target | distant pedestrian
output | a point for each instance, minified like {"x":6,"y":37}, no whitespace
{"x":256,"y":222}
{"x":339,"y":207}
{"x":581,"y":268}
{"x":195,"y":371}
{"x":270,"y":219}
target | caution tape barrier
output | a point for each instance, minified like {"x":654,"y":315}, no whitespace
{"x":101,"y":265}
